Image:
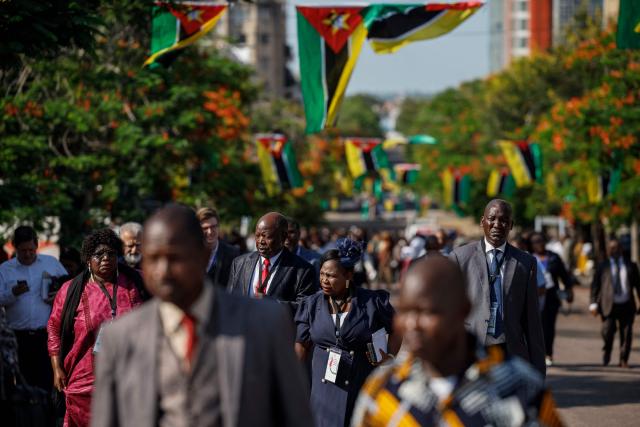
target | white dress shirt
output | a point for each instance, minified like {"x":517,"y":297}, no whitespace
{"x":29,"y":310}
{"x":488,"y":248}
{"x":171,"y":318}
{"x":256,"y":273}
{"x":624,"y":281}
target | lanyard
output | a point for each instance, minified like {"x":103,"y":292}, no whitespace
{"x":113,"y":302}
{"x":262,"y":286}
{"x":338,"y":310}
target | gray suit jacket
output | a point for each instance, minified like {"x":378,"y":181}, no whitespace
{"x":602,"y":288}
{"x":523,"y":330}
{"x":260,"y":380}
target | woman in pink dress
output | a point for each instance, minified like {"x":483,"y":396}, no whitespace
{"x":105,"y":290}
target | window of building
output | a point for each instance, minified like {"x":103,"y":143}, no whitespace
{"x":523,"y":24}
{"x":522,"y":6}
{"x":264,"y":38}
{"x":523,"y":42}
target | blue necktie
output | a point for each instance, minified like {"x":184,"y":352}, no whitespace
{"x":496,"y":290}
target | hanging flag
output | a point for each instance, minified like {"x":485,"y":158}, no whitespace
{"x":456,"y":188}
{"x":364,"y":156}
{"x":524,"y":160}
{"x":395,"y":25}
{"x":628,"y":35}
{"x":600,"y":186}
{"x":277,"y":163}
{"x":329,"y":43}
{"x":177,"y":25}
{"x":406,"y":173}
{"x":500,"y":182}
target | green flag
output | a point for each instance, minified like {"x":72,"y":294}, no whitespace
{"x":628,"y":36}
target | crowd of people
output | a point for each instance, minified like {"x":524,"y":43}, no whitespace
{"x":168,"y":324}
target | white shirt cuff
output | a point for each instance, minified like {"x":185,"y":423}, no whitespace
{"x":593,"y":306}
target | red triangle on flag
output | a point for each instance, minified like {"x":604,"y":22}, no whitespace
{"x":366,"y":144}
{"x":193,"y":16}
{"x":334,"y":24}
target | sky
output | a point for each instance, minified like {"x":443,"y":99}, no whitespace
{"x":425,"y":67}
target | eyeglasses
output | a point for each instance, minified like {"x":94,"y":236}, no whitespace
{"x":99,"y":255}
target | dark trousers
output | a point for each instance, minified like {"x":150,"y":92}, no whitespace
{"x":549,"y":316}
{"x":33,"y":356}
{"x":620,"y":318}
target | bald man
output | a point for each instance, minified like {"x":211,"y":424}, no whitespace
{"x":188,"y":357}
{"x":272,"y":271}
{"x":446,"y":377}
{"x":502,"y":286}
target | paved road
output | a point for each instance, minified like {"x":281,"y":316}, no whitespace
{"x":587,"y":393}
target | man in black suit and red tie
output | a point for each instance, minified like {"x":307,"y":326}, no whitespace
{"x":272,"y":271}
{"x":221,"y":254}
{"x":612,"y":297}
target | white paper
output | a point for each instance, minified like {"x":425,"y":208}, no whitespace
{"x":379,"y":341}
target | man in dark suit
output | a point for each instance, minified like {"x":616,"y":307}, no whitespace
{"x":195,"y":355}
{"x":293,"y":244}
{"x":221,"y":254}
{"x":501,"y":283}
{"x":272,"y":270}
{"x":612,"y":298}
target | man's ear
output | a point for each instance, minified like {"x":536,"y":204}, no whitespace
{"x":482,"y":221}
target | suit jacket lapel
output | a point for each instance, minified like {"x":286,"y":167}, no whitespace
{"x":281,"y":269}
{"x":509,"y":269}
{"x":480,"y":262}
{"x":247,"y":271}
{"x":230,"y":351}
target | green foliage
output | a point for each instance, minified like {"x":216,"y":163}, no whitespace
{"x":358,"y":117}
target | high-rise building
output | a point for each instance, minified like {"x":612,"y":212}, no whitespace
{"x":565,"y":10}
{"x":255,"y":34}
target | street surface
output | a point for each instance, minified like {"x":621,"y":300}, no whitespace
{"x":587,"y":393}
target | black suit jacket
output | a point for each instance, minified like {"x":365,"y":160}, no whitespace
{"x":293,"y":280}
{"x":602,"y":285}
{"x":219,"y":272}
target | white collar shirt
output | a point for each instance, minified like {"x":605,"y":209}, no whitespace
{"x":28,"y":311}
{"x":488,"y":248}
{"x":624,"y":282}
{"x":255,"y":279}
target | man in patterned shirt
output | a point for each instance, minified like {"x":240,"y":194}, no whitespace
{"x":447,"y":378}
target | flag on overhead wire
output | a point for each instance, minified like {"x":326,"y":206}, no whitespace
{"x":177,"y":25}
{"x":628,"y":35}
{"x":365,"y":155}
{"x":456,"y":188}
{"x":524,"y":160}
{"x":500,"y":182}
{"x":278,"y":163}
{"x":406,"y":173}
{"x":396,"y":25}
{"x":329,"y":43}
{"x":600,"y":186}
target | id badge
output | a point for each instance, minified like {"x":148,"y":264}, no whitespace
{"x":333,"y":364}
{"x":492,"y":319}
{"x":98,"y":343}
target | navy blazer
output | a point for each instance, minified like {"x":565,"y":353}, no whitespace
{"x":219,"y":272}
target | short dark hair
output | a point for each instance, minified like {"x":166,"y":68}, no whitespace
{"x":333,"y":255}
{"x":103,"y":236}
{"x":204,"y":214}
{"x":179,"y":215}
{"x":70,"y":254}
{"x":24,"y":233}
{"x":292,"y":222}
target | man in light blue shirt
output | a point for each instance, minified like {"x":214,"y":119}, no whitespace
{"x":24,"y":294}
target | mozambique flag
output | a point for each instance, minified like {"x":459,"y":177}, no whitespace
{"x":628,"y":35}
{"x":600,"y":186}
{"x":177,"y":25}
{"x":365,"y":156}
{"x":394,"y":141}
{"x":329,"y":43}
{"x":277,"y":163}
{"x":406,"y":173}
{"x":500,"y":182}
{"x":456,"y":188}
{"x":524,"y":160}
{"x":396,"y":25}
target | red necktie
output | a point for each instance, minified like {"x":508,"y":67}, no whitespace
{"x":265,"y":276}
{"x":189,"y":323}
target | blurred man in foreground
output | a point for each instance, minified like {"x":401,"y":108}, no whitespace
{"x":194,"y":355}
{"x":448,"y":378}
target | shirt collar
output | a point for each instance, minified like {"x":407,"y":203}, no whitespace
{"x":33,"y":263}
{"x":273,"y":259}
{"x":214,"y":253}
{"x":172,"y":315}
{"x":489,"y":247}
